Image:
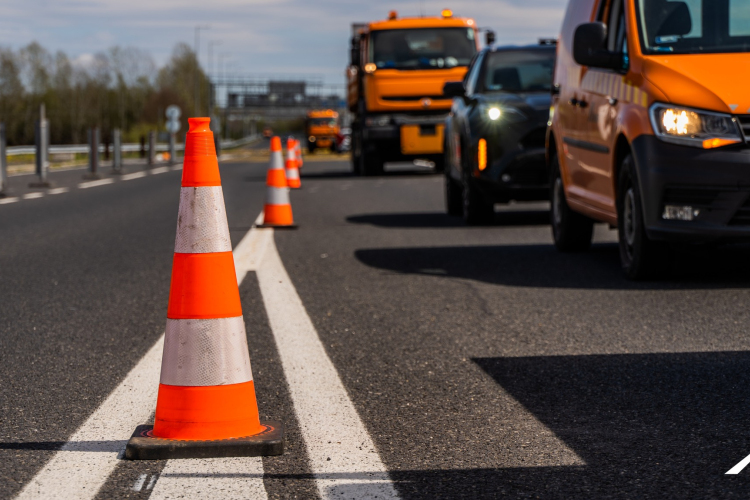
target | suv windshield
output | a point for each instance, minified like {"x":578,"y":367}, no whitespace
{"x":518,"y":71}
{"x":427,"y":48}
{"x":694,"y":26}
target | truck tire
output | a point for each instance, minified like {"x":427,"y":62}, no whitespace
{"x":357,"y":164}
{"x":373,"y":164}
{"x":640,"y":257}
{"x":571,"y":231}
{"x":310,"y":147}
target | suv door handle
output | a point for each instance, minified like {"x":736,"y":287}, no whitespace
{"x":582,"y":104}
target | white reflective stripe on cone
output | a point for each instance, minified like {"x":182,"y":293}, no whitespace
{"x":202,"y":221}
{"x":201,"y":352}
{"x":292,"y":173}
{"x":277,"y":196}
{"x":277,"y":161}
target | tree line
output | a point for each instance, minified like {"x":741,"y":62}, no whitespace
{"x":118,"y":88}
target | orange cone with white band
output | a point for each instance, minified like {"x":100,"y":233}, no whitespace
{"x":298,"y":150}
{"x":277,"y":211}
{"x":206,"y":405}
{"x":292,"y":172}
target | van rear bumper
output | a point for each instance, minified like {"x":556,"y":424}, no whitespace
{"x":716,"y":183}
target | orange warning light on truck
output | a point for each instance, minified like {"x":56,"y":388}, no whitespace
{"x":650,"y":126}
{"x":396,"y":74}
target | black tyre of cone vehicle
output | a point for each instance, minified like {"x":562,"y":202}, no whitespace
{"x":640,"y":257}
{"x":571,"y":231}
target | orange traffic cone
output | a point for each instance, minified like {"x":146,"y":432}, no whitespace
{"x":299,"y":154}
{"x":206,"y":405}
{"x":292,"y":172}
{"x":277,"y":211}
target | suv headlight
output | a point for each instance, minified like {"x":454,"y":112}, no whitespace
{"x":506,"y":114}
{"x":694,"y":127}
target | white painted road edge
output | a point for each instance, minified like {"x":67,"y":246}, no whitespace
{"x":342,"y":454}
{"x":738,"y":468}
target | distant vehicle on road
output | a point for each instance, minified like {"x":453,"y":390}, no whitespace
{"x":267,"y":132}
{"x":322,"y":129}
{"x":650,"y":126}
{"x":495,"y":132}
{"x":395,"y":80}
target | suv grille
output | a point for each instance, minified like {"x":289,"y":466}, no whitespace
{"x":742,"y":216}
{"x":745,"y":125}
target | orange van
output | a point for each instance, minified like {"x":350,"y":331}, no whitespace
{"x":649,"y":126}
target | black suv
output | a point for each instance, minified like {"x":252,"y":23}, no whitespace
{"x":495,"y":132}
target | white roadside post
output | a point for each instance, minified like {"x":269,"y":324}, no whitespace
{"x":116,"y":151}
{"x":3,"y":162}
{"x":173,"y":126}
{"x":42,"y":146}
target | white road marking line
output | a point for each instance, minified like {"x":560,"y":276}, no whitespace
{"x":342,"y":454}
{"x":160,"y":170}
{"x":13,"y":199}
{"x":226,"y":478}
{"x":152,"y":482}
{"x":100,"y":182}
{"x":134,"y":175}
{"x":31,"y":196}
{"x":83,"y":464}
{"x":738,"y":468}
{"x":139,"y":482}
{"x":58,"y":191}
{"x":177,"y":167}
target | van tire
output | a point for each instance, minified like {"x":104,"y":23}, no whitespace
{"x":571,"y":231}
{"x":641,"y":258}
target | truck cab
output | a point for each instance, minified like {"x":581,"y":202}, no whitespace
{"x":395,"y":86}
{"x":649,"y":126}
{"x":322,"y":130}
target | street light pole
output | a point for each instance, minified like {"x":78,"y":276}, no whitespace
{"x":197,"y":67}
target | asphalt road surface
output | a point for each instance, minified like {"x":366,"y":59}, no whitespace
{"x":477,"y":362}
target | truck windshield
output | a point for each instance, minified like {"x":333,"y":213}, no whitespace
{"x":322,"y":122}
{"x":424,"y":48}
{"x":518,"y":71}
{"x":694,"y":26}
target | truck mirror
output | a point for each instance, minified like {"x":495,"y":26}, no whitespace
{"x":454,"y":89}
{"x":589,"y":47}
{"x":489,"y":37}
{"x":354,"y":53}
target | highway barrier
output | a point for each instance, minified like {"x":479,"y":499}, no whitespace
{"x":206,"y":406}
{"x":277,"y":212}
{"x":292,"y":172}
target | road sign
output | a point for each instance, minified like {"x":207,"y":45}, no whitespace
{"x":173,"y":126}
{"x":173,"y":112}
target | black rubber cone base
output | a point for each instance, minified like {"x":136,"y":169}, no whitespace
{"x":273,"y":226}
{"x":143,"y":446}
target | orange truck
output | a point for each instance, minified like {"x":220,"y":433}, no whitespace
{"x":322,"y":129}
{"x":397,"y":70}
{"x":650,"y":127}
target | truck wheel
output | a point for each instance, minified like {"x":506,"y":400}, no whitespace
{"x":454,"y":197}
{"x":640,"y":257}
{"x":476,"y":210}
{"x":310,"y":147}
{"x":571,"y":231}
{"x":373,"y":164}
{"x":357,"y":163}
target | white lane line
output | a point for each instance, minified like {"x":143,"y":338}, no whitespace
{"x":31,"y":196}
{"x":225,"y":478}
{"x":177,"y":167}
{"x":139,"y":482}
{"x":100,"y":182}
{"x":342,"y":455}
{"x":58,"y":191}
{"x":160,"y":170}
{"x":134,"y":175}
{"x":738,"y":468}
{"x":83,"y":464}
{"x":13,"y":199}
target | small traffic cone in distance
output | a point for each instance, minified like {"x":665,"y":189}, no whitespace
{"x":299,"y":154}
{"x":277,"y":212}
{"x":292,"y":172}
{"x":206,"y":405}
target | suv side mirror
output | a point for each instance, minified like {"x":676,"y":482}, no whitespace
{"x":589,"y":47}
{"x":454,"y":89}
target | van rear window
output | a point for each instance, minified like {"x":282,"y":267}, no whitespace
{"x":694,"y":26}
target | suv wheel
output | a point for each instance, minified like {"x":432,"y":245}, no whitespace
{"x":571,"y":231}
{"x":641,"y":258}
{"x":454,"y":201}
{"x":476,"y":210}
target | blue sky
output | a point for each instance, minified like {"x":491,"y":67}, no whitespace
{"x":260,"y":37}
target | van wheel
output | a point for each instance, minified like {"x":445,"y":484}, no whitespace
{"x":454,"y":201}
{"x":640,"y":257}
{"x":571,"y":231}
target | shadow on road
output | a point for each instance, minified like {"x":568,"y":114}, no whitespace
{"x":647,"y":425}
{"x":439,"y":219}
{"x":543,"y":266}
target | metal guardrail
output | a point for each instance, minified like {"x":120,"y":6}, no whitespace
{"x":126,"y":148}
